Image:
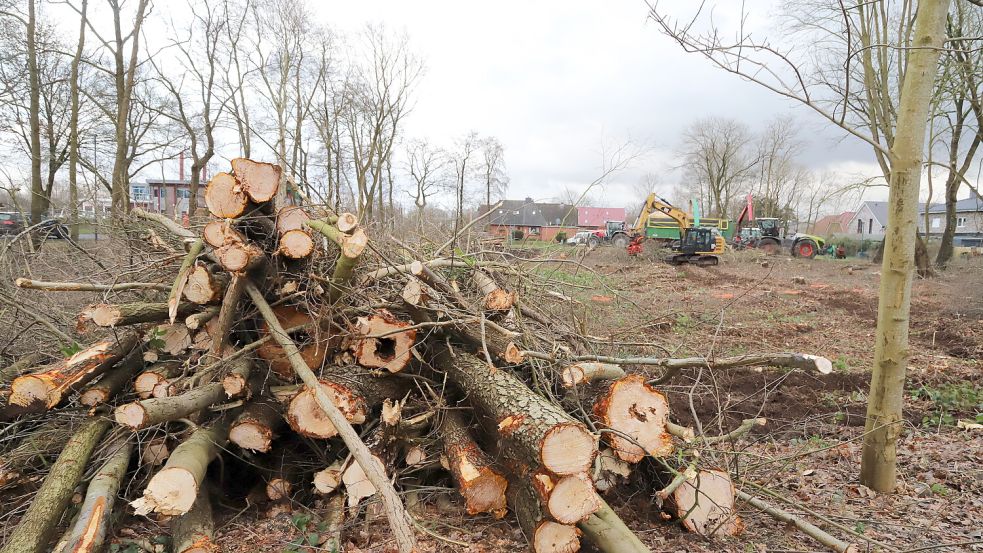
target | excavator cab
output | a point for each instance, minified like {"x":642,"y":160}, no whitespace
{"x":697,"y":245}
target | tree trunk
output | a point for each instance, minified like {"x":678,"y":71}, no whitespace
{"x":35,"y":529}
{"x":38,"y":199}
{"x":884,"y":422}
{"x":608,"y":532}
{"x":945,"y":243}
{"x":95,"y":516}
{"x":544,"y":535}
{"x":73,"y":126}
{"x":544,"y":434}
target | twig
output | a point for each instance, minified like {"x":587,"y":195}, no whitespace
{"x":804,"y":526}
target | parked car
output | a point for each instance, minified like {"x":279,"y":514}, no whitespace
{"x":580,"y":237}
{"x":11,"y":223}
{"x":52,"y":228}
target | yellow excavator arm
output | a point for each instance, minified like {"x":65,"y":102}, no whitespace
{"x":654,"y":203}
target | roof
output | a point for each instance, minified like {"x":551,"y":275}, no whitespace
{"x":879,"y":209}
{"x":832,"y":224}
{"x":973,"y":203}
{"x":169,"y":182}
{"x":527,"y":213}
{"x":597,"y":216}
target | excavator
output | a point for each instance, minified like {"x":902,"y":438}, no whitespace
{"x":697,"y":245}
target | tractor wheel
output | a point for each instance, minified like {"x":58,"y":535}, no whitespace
{"x":620,"y":241}
{"x":805,"y":248}
{"x":770,"y":247}
{"x":593,"y":241}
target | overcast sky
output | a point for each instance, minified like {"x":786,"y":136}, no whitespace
{"x":557,"y":82}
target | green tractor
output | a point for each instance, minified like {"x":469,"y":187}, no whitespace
{"x":769,"y":240}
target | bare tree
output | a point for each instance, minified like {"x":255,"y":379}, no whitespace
{"x":880,"y":92}
{"x":426,"y":164}
{"x":198,"y":110}
{"x":492,"y":168}
{"x":717,"y":160}
{"x":378,"y":97}
{"x":466,"y":148}
{"x":958,"y":112}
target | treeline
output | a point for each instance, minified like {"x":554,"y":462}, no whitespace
{"x":96,"y":93}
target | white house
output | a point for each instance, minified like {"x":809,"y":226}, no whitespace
{"x":868,"y":222}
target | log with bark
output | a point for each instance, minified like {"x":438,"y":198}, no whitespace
{"x":35,"y":529}
{"x":481,"y":486}
{"x":47,"y":387}
{"x":173,"y":490}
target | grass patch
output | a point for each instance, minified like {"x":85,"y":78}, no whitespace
{"x":949,"y":400}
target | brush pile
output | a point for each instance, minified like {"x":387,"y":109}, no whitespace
{"x":339,"y":367}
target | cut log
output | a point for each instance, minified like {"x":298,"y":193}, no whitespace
{"x":639,"y":414}
{"x":381,"y":342}
{"x":173,"y":339}
{"x":313,"y":352}
{"x":278,"y":489}
{"x":495,"y":298}
{"x":172,"y":491}
{"x":35,"y":528}
{"x":148,"y":412}
{"x":260,"y":181}
{"x":125,"y":314}
{"x":705,"y":505}
{"x":351,"y":245}
{"x":611,"y":470}
{"x":328,"y":479}
{"x":586,"y":372}
{"x":240,"y":257}
{"x":354,"y":395}
{"x":204,"y":287}
{"x":225,"y":197}
{"x":91,"y":527}
{"x":542,"y":431}
{"x":290,"y":218}
{"x":415,"y":293}
{"x":255,"y":428}
{"x":497,"y":340}
{"x":347,"y":222}
{"x":154,"y":452}
{"x":569,"y":499}
{"x":481,"y":486}
{"x":415,"y":456}
{"x":544,"y":535}
{"x":113,"y":381}
{"x":159,"y":373}
{"x":46,"y":388}
{"x":296,"y":244}
{"x":199,"y":320}
{"x":357,"y":484}
{"x":193,"y":532}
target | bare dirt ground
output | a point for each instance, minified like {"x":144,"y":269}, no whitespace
{"x":806,"y":460}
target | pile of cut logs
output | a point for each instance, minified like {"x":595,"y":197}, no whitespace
{"x":338,"y":368}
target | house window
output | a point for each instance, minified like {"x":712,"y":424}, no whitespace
{"x":183,"y":193}
{"x":860,"y":226}
{"x":870,"y":227}
{"x":936,"y":222}
{"x":960,"y":222}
